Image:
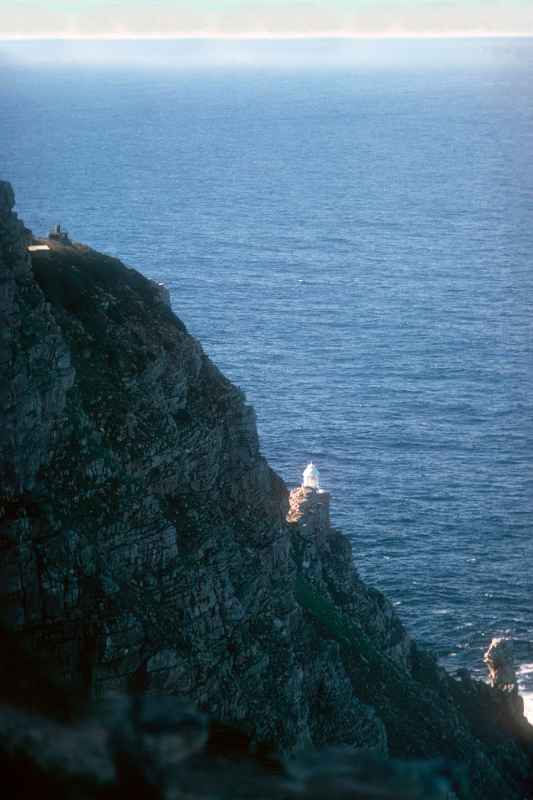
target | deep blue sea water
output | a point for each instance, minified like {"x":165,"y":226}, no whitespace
{"x":348,"y":228}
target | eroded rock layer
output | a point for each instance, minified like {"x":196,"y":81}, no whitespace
{"x":145,"y":544}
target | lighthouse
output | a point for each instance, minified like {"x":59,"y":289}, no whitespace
{"x":311,"y":477}
{"x":309,"y":505}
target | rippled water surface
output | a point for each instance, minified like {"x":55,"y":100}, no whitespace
{"x":352,"y":243}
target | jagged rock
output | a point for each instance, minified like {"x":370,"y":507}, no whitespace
{"x":500,"y":662}
{"x":145,"y":544}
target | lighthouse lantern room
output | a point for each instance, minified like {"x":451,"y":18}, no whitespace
{"x":311,"y":477}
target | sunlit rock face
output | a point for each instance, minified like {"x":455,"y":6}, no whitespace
{"x":500,"y":663}
{"x":146,"y":545}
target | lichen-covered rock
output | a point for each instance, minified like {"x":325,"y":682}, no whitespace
{"x":145,"y":544}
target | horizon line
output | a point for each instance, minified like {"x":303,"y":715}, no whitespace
{"x":265,"y":36}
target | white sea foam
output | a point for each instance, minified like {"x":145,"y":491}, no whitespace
{"x":528,"y":705}
{"x":525,"y":672}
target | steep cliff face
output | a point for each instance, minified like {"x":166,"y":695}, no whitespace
{"x":34,"y":359}
{"x":145,"y":544}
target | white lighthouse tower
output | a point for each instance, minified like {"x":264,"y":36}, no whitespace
{"x":309,"y":505}
{"x":311,"y":477}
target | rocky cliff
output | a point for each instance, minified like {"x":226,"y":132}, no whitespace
{"x":146,"y":545}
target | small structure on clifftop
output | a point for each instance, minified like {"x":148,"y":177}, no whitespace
{"x":311,"y":477}
{"x":57,"y":235}
{"x":309,"y":504}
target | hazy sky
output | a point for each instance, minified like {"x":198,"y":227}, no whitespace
{"x":262,"y":17}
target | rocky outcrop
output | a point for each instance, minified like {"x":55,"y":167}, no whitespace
{"x":145,"y":545}
{"x":500,"y":663}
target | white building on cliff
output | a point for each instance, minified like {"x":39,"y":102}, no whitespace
{"x":311,"y":477}
{"x":309,"y":504}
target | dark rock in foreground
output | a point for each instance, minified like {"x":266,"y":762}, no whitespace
{"x":145,"y":545}
{"x":162,"y":748}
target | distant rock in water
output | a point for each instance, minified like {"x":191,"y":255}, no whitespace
{"x":499,"y":659}
{"x":147,"y":546}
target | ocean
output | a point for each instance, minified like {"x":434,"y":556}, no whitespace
{"x":348,"y":228}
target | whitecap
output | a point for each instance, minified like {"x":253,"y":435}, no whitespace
{"x":526,"y":671}
{"x":527,"y":697}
